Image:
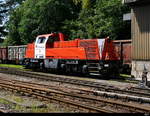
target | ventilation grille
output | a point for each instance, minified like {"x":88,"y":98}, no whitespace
{"x":90,"y":48}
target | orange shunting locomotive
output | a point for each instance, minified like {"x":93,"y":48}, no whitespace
{"x":53,"y":52}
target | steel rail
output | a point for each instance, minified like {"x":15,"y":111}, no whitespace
{"x":93,"y":92}
{"x":4,"y":111}
{"x":58,"y":78}
{"x":144,"y":90}
{"x":47,"y":91}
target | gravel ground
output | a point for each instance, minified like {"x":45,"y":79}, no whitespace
{"x":120,"y":85}
{"x":4,"y":106}
{"x":115,"y":83}
{"x":32,"y":103}
{"x":52,"y":107}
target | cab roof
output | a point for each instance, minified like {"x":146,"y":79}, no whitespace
{"x":135,"y":2}
{"x":45,"y":35}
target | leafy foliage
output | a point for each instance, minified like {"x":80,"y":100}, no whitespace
{"x":102,"y":20}
{"x":85,"y":4}
{"x":2,"y":28}
{"x":36,"y":17}
{"x":111,"y":13}
{"x":76,"y":18}
{"x":12,"y":3}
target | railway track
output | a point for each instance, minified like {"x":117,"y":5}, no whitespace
{"x":48,"y":95}
{"x":4,"y":111}
{"x":131,"y":94}
{"x":78,"y":100}
{"x":84,"y":91}
{"x":144,"y":90}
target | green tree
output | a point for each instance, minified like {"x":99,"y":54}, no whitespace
{"x":8,"y":8}
{"x":76,"y":18}
{"x":101,"y":20}
{"x":85,"y":4}
{"x":35,"y":17}
{"x":12,"y":3}
{"x":111,"y":11}
{"x":2,"y":27}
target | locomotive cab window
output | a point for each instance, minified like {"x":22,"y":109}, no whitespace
{"x":52,"y":39}
{"x":41,"y":40}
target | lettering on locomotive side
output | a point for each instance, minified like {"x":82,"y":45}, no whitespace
{"x":39,"y":46}
{"x":72,"y":62}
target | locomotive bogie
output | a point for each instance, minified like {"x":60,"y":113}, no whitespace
{"x":51,"y":63}
{"x":34,"y":63}
{"x":67,"y":66}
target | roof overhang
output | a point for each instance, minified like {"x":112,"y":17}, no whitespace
{"x":129,"y":1}
{"x":135,"y":2}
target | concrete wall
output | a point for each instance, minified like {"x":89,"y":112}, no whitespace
{"x":138,"y":68}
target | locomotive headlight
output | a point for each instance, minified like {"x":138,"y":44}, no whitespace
{"x":106,"y":65}
{"x":99,"y":68}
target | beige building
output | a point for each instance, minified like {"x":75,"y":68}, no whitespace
{"x":140,"y":32}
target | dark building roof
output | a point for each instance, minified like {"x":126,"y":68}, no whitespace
{"x":134,"y":2}
{"x":129,"y":1}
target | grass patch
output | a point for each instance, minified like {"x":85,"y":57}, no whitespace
{"x":3,"y":101}
{"x":125,"y":81}
{"x":34,"y":104}
{"x":125,"y":76}
{"x":18,"y":108}
{"x":12,"y":66}
{"x":20,"y":67}
{"x":18,"y":99}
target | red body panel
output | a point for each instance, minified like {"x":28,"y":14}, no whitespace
{"x":127,"y":53}
{"x":66,"y":44}
{"x":124,"y":51}
{"x":75,"y":49}
{"x":109,"y":52}
{"x":66,"y":53}
{"x":88,"y":49}
{"x":91,"y":48}
{"x":3,"y":53}
{"x":30,"y":51}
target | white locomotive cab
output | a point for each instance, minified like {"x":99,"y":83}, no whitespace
{"x":40,"y":47}
{"x":101,"y":46}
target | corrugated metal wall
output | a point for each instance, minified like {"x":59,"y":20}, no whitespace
{"x":141,"y":32}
